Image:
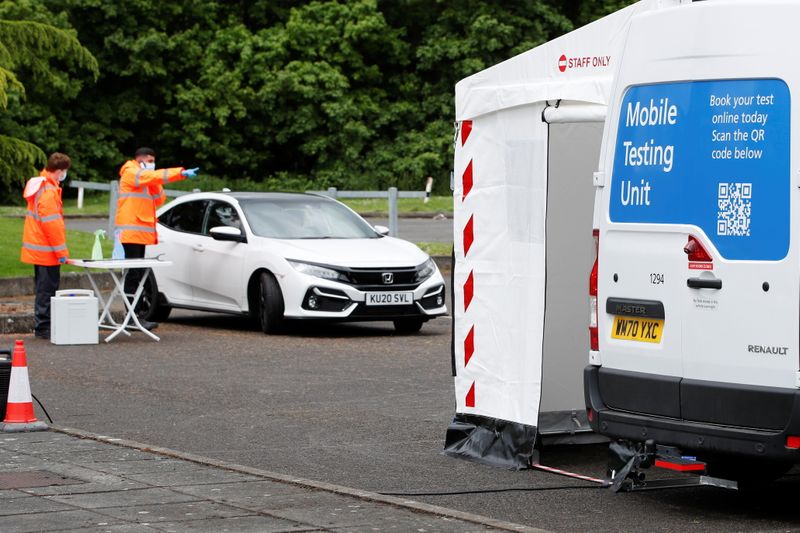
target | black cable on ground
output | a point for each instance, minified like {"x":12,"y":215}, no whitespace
{"x":488,"y":491}
{"x":43,"y":409}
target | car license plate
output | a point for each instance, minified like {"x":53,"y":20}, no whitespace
{"x":390,"y":298}
{"x":637,"y":329}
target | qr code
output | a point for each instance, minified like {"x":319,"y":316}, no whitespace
{"x":734,"y":201}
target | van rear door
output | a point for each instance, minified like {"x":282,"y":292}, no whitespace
{"x":700,"y":218}
{"x":740,"y":328}
{"x":640,"y":328}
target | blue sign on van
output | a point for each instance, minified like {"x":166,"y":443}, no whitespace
{"x":714,"y":154}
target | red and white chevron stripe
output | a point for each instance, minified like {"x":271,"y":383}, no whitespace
{"x":468,"y":238}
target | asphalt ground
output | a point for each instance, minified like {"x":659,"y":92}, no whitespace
{"x":428,"y":229}
{"x":355,"y":405}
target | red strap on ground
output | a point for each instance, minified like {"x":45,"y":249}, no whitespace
{"x":569,"y":474}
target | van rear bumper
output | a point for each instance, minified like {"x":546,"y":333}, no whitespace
{"x":690,"y":435}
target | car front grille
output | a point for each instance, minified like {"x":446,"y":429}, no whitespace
{"x":374,"y":278}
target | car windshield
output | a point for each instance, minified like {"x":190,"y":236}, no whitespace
{"x":304,"y":218}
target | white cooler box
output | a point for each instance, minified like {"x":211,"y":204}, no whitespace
{"x":73,"y":317}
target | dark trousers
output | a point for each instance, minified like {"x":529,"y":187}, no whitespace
{"x":133,"y":251}
{"x":45,"y":281}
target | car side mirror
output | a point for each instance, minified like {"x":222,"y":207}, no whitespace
{"x":383,"y":230}
{"x":227,"y":233}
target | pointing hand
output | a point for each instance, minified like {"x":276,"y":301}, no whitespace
{"x":190,"y":172}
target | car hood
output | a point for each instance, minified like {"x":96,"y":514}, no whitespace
{"x":358,"y":253}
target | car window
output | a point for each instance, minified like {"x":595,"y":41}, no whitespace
{"x":222,"y":214}
{"x":304,"y":218}
{"x":186,"y":217}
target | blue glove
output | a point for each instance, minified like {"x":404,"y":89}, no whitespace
{"x":62,"y":260}
{"x":190,"y":172}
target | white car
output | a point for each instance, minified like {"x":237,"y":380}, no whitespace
{"x":276,"y":256}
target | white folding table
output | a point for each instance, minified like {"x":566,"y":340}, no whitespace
{"x":119,"y":269}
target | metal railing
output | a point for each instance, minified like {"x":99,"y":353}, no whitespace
{"x":392,"y":194}
{"x":95,"y":186}
{"x":113,"y":188}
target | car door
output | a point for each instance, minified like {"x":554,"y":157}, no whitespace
{"x":216,"y":275}
{"x":179,"y":233}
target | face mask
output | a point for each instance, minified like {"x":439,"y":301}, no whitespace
{"x":147,"y":166}
{"x":62,"y":178}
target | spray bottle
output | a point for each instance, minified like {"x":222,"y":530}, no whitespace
{"x":97,"y":249}
{"x":119,"y":251}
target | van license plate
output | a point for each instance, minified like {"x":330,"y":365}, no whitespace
{"x":390,"y":298}
{"x":637,"y":329}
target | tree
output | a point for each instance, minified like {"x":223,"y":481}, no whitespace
{"x":588,"y":11}
{"x":29,"y":51}
{"x":279,"y":94}
{"x":354,"y":94}
{"x":303,"y":99}
{"x":149,"y":49}
{"x":450,"y":40}
{"x":287,"y":94}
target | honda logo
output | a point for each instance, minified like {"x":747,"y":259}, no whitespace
{"x":388,"y":278}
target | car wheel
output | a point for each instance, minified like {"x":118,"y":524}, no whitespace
{"x":270,"y":304}
{"x":408,"y":325}
{"x":149,"y":306}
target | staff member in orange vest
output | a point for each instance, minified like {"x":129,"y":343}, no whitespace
{"x":44,"y":242}
{"x":141,"y":191}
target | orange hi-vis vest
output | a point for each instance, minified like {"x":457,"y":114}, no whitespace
{"x":140,"y":193}
{"x":44,"y":239}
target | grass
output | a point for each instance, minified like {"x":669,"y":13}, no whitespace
{"x":79,"y":244}
{"x":436,"y":204}
{"x":96,"y":203}
{"x":436,"y":248}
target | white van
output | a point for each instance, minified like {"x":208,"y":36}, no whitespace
{"x":695,"y":293}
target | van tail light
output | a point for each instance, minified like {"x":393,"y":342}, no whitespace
{"x":696,"y":252}
{"x":793,"y":442}
{"x":594,"y":343}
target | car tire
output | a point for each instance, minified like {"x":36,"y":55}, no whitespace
{"x":408,"y":325}
{"x":150,"y":307}
{"x":270,"y":304}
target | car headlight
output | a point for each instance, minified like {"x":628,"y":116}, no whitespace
{"x":425,"y":270}
{"x":318,"y":271}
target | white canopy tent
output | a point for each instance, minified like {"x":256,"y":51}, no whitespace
{"x":523,"y":240}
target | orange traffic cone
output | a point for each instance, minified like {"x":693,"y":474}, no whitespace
{"x":19,"y":408}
